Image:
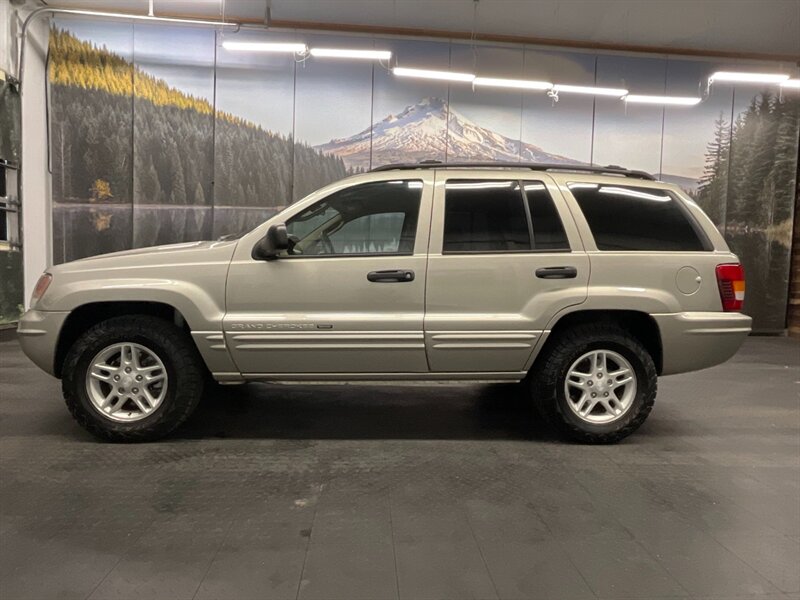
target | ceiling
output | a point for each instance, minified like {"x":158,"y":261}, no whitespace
{"x":741,"y":26}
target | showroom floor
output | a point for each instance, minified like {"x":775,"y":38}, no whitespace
{"x":413,"y":492}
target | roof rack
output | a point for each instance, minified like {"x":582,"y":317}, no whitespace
{"x":435,"y":164}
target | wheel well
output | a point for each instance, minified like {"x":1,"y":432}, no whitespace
{"x":88,"y":315}
{"x":640,"y":325}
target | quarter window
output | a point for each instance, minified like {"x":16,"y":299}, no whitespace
{"x":371,"y":218}
{"x":637,"y":218}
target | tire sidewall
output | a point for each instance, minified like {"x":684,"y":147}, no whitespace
{"x":644,"y":385}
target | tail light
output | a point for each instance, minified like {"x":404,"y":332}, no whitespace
{"x":730,"y":278}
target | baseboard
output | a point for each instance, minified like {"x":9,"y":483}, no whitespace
{"x":8,"y":332}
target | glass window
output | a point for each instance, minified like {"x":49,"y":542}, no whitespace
{"x":636,"y":218}
{"x":548,"y":231}
{"x":371,"y":218}
{"x":484,"y":216}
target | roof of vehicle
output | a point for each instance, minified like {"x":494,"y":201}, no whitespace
{"x":551,"y":167}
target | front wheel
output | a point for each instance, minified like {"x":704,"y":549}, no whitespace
{"x":595,"y":383}
{"x":133,"y":378}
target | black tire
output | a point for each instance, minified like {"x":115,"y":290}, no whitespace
{"x":550,"y":372}
{"x":185,"y":371}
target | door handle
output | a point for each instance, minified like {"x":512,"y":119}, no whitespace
{"x":391,"y":276}
{"x":557,"y":273}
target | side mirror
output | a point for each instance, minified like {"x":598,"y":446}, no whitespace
{"x":275,"y":240}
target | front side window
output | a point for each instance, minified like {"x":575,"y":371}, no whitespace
{"x":637,"y":218}
{"x":371,"y":218}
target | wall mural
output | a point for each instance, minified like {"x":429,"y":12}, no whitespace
{"x":160,"y":135}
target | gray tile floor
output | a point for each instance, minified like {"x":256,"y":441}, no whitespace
{"x":414,"y":492}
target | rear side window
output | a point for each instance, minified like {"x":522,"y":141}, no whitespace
{"x":485,"y":216}
{"x":548,"y":231}
{"x":637,"y":218}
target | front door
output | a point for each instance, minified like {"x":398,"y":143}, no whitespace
{"x":505,"y":257}
{"x":347,"y":297}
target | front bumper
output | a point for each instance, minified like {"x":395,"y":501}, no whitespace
{"x":696,"y":340}
{"x":38,"y":335}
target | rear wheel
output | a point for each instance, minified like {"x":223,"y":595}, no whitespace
{"x":133,"y":378}
{"x":595,"y":383}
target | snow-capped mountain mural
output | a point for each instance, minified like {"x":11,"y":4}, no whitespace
{"x":431,"y":129}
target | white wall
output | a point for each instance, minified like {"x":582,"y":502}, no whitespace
{"x":35,"y":178}
{"x":5,"y":36}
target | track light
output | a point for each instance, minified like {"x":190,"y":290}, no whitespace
{"x":295,"y":48}
{"x":676,"y":100}
{"x":743,"y":77}
{"x":427,"y":74}
{"x":345,"y":53}
{"x":595,"y":91}
{"x":522,"y":84}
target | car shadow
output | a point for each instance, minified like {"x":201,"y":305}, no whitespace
{"x":348,"y":411}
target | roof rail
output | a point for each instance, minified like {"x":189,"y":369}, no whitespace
{"x":435,"y":164}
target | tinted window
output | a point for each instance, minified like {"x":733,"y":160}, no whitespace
{"x":548,"y":231}
{"x":633,"y":218}
{"x":371,"y":218}
{"x":484,"y":216}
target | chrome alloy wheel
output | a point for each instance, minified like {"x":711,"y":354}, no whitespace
{"x":126,"y":382}
{"x":600,"y":386}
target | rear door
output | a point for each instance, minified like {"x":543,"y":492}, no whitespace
{"x":505,"y":257}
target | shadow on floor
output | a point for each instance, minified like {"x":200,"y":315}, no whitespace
{"x":459,"y":412}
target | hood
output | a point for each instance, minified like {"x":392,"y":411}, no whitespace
{"x":170,"y":255}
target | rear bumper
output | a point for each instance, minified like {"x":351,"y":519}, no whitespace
{"x":696,"y":340}
{"x":38,"y":335}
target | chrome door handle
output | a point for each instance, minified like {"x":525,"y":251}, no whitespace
{"x":391,"y":276}
{"x":557,"y":273}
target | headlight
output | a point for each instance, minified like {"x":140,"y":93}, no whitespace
{"x":41,"y":288}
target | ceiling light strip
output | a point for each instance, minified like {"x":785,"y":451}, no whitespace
{"x":428,"y":74}
{"x":676,"y":100}
{"x":292,"y":47}
{"x":591,"y":90}
{"x":522,"y":84}
{"x":347,"y":53}
{"x":746,"y":77}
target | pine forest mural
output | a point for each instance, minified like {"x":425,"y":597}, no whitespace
{"x":159,"y":135}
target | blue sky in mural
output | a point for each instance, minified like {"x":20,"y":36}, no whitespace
{"x":257,"y":86}
{"x":333,"y":97}
{"x":563,"y":128}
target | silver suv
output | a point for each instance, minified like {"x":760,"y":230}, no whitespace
{"x":585,"y":283}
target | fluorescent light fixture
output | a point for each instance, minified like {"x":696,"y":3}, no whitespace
{"x":588,"y":89}
{"x":677,"y":100}
{"x":265,"y":47}
{"x":793,"y":84}
{"x":521,"y":84}
{"x":741,"y":77}
{"x":427,"y":74}
{"x":115,"y":15}
{"x":345,"y":53}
